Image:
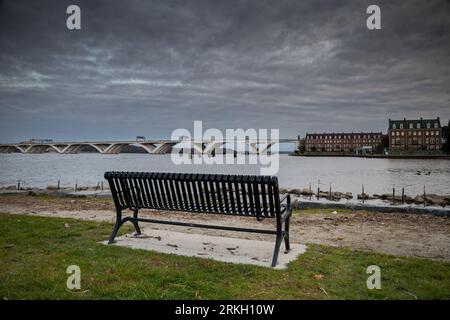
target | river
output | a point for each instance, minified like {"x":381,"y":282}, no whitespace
{"x":344,"y":174}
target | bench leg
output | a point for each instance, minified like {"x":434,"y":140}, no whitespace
{"x":277,"y":250}
{"x":116,"y":227}
{"x":286,"y":236}
{"x":135,"y":223}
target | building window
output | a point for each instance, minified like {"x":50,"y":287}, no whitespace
{"x":401,"y":125}
{"x":418,"y":126}
{"x":435,"y":125}
{"x":428,"y":125}
{"x":394,"y":126}
{"x":410,"y":125}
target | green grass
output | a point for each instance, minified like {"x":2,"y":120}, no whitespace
{"x":35,"y":252}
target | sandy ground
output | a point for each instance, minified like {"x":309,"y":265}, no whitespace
{"x":424,"y":236}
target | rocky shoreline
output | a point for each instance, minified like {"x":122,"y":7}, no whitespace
{"x":306,"y":193}
{"x":427,"y":199}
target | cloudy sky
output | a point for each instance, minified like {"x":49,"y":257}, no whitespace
{"x":145,"y":67}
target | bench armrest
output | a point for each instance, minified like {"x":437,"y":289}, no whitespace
{"x":282,"y":199}
{"x":285,"y":203}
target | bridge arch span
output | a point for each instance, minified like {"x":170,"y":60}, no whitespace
{"x":42,"y":148}
{"x":76,"y":148}
{"x":12,"y":149}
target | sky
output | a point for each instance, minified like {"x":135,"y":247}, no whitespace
{"x":141,"y":67}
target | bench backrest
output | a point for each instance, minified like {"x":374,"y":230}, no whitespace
{"x":212,"y":193}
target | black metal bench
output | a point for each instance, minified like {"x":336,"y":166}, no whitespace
{"x":239,"y":195}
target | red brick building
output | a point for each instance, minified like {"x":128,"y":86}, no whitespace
{"x":415,"y":135}
{"x":364,"y":142}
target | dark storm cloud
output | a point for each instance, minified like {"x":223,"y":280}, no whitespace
{"x":148,"y":67}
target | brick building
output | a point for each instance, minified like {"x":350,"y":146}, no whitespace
{"x":446,"y":138}
{"x":363,"y":142}
{"x":415,"y":135}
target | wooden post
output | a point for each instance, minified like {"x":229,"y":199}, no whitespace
{"x":58,"y":184}
{"x":393,"y":194}
{"x":403,"y":195}
{"x":424,"y":197}
{"x":76,"y":187}
{"x":310,"y":191}
{"x":362,"y":193}
{"x":318,"y":189}
{"x":329,"y":193}
{"x":18,"y":184}
{"x":102,"y":185}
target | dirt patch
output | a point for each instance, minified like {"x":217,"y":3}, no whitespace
{"x":423,"y":235}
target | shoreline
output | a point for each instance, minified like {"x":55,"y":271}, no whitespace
{"x":298,"y":201}
{"x":376,"y":156}
{"x":374,"y":208}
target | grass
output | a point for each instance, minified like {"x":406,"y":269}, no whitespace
{"x":35,"y":252}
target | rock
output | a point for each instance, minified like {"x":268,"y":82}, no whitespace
{"x":347,"y":195}
{"x":418,"y":199}
{"x":336,"y":196}
{"x":432,"y":199}
{"x":307,"y":192}
{"x":284,"y":190}
{"x":11,"y":188}
{"x":323,"y":194}
{"x":365,"y":196}
{"x":295,"y":191}
{"x":82,"y":188}
{"x":436,"y":199}
{"x":53,"y":188}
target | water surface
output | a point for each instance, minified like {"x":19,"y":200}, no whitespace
{"x":344,"y":174}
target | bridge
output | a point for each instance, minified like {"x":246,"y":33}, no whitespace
{"x":148,"y":146}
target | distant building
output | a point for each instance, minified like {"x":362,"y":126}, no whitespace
{"x":446,"y":138}
{"x":424,"y":135}
{"x":345,"y":143}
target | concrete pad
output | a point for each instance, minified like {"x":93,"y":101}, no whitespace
{"x":234,"y":250}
